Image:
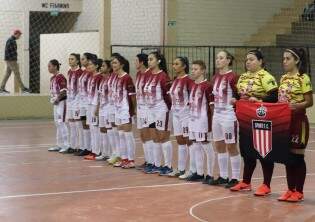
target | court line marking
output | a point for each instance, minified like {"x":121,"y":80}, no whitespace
{"x":230,"y":196}
{"x":94,"y":190}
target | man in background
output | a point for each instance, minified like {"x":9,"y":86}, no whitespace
{"x":10,"y":57}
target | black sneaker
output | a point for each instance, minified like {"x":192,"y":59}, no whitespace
{"x":219,"y":181}
{"x":70,"y":151}
{"x":231,"y":183}
{"x":208,"y":179}
{"x":84,"y":153}
{"x":77,"y":152}
{"x":3,"y":91}
{"x":195,"y":178}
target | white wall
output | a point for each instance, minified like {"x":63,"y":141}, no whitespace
{"x":225,"y":22}
{"x":137,"y":22}
{"x":88,"y":19}
{"x":59,"y":46}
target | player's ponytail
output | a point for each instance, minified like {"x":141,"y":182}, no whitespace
{"x":55,"y":63}
{"x":161,"y":60}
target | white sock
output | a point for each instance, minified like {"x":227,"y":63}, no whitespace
{"x":64,"y":135}
{"x":182,"y":157}
{"x":58,"y":135}
{"x":111,"y":140}
{"x":117,"y":141}
{"x":168,"y":153}
{"x":122,"y":145}
{"x":199,"y":156}
{"x":80,"y":134}
{"x":105,"y":145}
{"x":208,"y":149}
{"x":131,"y":145}
{"x":236,"y":166}
{"x":145,"y":152}
{"x":73,"y":135}
{"x":223,"y":159}
{"x":192,"y":158}
{"x":157,"y":151}
{"x":96,"y":133}
{"x":150,"y":151}
{"x":87,"y":139}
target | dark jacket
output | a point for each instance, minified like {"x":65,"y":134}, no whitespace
{"x":10,"y":49}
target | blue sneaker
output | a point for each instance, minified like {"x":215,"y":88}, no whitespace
{"x":165,"y":171}
{"x":156,"y":169}
{"x":148,"y":168}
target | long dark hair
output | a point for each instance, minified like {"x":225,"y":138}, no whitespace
{"x":161,"y":60}
{"x":90,"y":56}
{"x":56,"y":63}
{"x":185,"y":62}
{"x":77,"y":57}
{"x":300,"y":55}
{"x":142,"y":57}
{"x":122,"y":60}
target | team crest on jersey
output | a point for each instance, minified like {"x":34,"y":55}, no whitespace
{"x":262,"y":136}
{"x":261,"y":111}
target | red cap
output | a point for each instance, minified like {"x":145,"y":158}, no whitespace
{"x":17,"y":31}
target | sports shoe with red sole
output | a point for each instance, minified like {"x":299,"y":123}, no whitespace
{"x":263,"y":190}
{"x":129,"y":165}
{"x":285,"y":196}
{"x":241,"y":186}
{"x":92,"y":156}
{"x":296,"y":197}
{"x":120,"y":163}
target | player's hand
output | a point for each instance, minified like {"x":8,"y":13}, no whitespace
{"x":253,"y":99}
{"x":293,"y":106}
{"x":233,"y":101}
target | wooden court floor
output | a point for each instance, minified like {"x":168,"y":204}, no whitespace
{"x":38,"y":186}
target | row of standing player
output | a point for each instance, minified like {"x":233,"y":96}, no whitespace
{"x":106,"y":100}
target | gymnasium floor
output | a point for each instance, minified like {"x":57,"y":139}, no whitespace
{"x":40,"y":186}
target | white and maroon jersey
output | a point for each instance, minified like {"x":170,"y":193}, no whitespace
{"x":141,"y":79}
{"x":124,"y":90}
{"x":156,"y":89}
{"x":199,"y":99}
{"x":73,"y":83}
{"x":83,"y":83}
{"x":58,"y":83}
{"x":93,"y":88}
{"x":179,"y":92}
{"x":224,"y":88}
{"x":111,"y":84}
{"x":103,"y":91}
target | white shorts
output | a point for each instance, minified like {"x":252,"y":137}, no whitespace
{"x":142,"y":117}
{"x":103,"y":122}
{"x":200,"y":136}
{"x":180,"y":125}
{"x":160,"y":118}
{"x":224,"y":129}
{"x":91,"y":119}
{"x":60,"y":112}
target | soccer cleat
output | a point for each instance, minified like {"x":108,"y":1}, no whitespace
{"x":77,"y":152}
{"x":296,"y":197}
{"x":195,"y":178}
{"x":286,"y":195}
{"x":156,"y":170}
{"x":70,"y":151}
{"x":185,"y":175}
{"x":263,"y":190}
{"x":208,"y":180}
{"x":166,"y":171}
{"x":241,"y":186}
{"x":91,"y":156}
{"x":148,"y":169}
{"x":174,"y":173}
{"x":120,"y":163}
{"x":54,"y":149}
{"x":84,"y":153}
{"x":113,"y":160}
{"x":231,"y":183}
{"x":129,"y":165}
{"x":63,"y":150}
{"x":100,"y":157}
{"x":219,"y":181}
